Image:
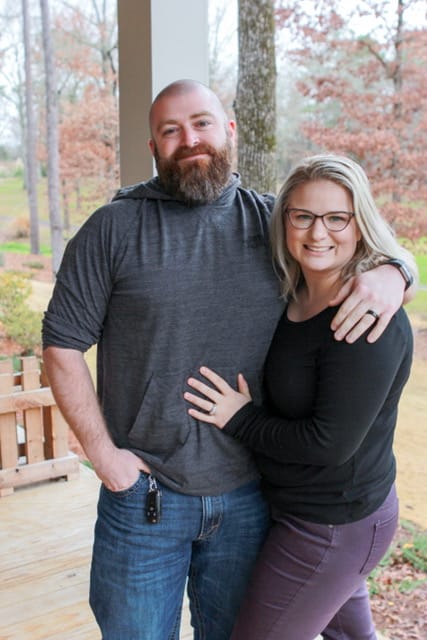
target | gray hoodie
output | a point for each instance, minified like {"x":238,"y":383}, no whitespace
{"x":162,"y":289}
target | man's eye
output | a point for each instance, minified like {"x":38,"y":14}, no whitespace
{"x":203,"y":123}
{"x":170,"y":131}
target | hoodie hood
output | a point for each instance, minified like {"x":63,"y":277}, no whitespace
{"x":153,"y":190}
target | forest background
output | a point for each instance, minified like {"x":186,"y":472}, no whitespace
{"x":348,"y":80}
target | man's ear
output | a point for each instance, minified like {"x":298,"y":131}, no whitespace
{"x":232,"y":129}
{"x":151,"y":145}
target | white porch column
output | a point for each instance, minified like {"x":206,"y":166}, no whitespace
{"x":159,"y":41}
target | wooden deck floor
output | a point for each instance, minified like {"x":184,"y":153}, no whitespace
{"x":46,"y":533}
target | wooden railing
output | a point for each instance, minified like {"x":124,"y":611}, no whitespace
{"x":33,"y":433}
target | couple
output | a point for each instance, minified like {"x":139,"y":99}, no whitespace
{"x":176,"y":274}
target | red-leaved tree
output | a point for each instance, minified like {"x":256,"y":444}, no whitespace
{"x":86,"y":52}
{"x":366,"y":96}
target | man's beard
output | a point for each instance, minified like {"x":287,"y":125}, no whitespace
{"x":198,"y":181}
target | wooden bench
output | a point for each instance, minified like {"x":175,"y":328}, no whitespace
{"x":33,"y":433}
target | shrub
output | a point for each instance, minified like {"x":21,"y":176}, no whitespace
{"x":20,"y":323}
{"x":19,"y":228}
{"x":33,"y":264}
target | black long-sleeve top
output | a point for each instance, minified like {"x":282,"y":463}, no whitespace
{"x":323,"y":441}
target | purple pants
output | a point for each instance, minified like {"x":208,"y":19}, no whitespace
{"x":309,"y":579}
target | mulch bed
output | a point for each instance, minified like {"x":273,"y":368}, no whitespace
{"x":400,"y":589}
{"x":36,"y":267}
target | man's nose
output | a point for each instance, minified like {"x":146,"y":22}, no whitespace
{"x":190,"y":137}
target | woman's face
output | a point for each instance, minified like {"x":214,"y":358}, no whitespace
{"x":318,"y":249}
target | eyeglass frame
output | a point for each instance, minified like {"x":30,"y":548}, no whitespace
{"x":350,"y":215}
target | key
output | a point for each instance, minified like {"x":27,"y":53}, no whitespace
{"x":153,"y":503}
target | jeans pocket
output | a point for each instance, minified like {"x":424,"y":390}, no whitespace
{"x":382,"y":535}
{"x":134,"y":488}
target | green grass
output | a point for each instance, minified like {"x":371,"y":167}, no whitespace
{"x":14,"y":200}
{"x":422,"y":267}
{"x":22,"y":247}
{"x":409,"y":548}
{"x":14,"y":205}
{"x":418,"y":305}
{"x":415,"y":550}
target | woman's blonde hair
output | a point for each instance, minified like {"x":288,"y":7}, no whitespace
{"x":378,"y":242}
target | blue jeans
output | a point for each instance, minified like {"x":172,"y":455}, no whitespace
{"x":139,"y":570}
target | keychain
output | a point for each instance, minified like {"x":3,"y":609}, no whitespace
{"x":153,"y":502}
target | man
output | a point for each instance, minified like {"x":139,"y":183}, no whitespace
{"x":175,"y":273}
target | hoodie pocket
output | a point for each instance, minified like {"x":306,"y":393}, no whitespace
{"x":162,"y":424}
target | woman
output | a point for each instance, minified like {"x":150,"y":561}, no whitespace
{"x":323,"y":439}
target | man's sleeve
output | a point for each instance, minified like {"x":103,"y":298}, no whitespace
{"x":76,"y":311}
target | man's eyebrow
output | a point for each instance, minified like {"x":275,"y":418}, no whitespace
{"x":201,"y":114}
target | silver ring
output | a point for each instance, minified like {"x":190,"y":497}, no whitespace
{"x":371,"y":312}
{"x":213,"y":409}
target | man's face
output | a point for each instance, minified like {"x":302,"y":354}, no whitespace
{"x":192,"y":144}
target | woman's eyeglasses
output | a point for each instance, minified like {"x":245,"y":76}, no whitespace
{"x":333,"y":220}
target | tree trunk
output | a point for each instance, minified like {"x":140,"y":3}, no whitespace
{"x":66,"y":208}
{"x":397,"y":78}
{"x":256,"y":95}
{"x":56,"y":231}
{"x":31,"y":141}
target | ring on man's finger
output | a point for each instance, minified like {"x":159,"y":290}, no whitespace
{"x":373,"y":313}
{"x":213,"y":409}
